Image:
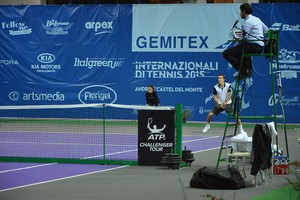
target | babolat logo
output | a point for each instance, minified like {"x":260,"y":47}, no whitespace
{"x":54,"y":27}
{"x":97,"y":94}
{"x":276,"y":26}
{"x":100,"y":27}
{"x":46,"y":58}
{"x":285,"y":27}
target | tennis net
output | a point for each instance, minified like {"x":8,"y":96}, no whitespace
{"x":79,"y":133}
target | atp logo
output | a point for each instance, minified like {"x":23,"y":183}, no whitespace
{"x":155,"y":132}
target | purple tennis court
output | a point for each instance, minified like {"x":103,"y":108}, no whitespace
{"x":69,"y":145}
{"x":16,"y":175}
{"x":85,"y":146}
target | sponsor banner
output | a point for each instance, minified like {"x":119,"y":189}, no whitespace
{"x":110,"y":53}
{"x":74,"y":51}
{"x":284,"y":18}
{"x":184,"y":28}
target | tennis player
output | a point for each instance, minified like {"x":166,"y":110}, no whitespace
{"x":222,"y":96}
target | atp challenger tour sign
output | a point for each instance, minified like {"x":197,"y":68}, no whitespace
{"x":156,"y":135}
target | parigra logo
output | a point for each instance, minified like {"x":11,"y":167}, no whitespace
{"x":97,"y":94}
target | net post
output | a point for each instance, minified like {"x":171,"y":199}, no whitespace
{"x":104,"y":129}
{"x":179,"y":130}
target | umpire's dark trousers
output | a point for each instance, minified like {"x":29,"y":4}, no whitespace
{"x":234,"y":55}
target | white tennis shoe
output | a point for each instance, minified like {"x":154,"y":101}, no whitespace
{"x":206,"y":128}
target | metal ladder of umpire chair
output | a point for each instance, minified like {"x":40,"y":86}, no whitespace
{"x":239,"y":90}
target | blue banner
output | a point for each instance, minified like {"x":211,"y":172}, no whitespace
{"x":74,"y":54}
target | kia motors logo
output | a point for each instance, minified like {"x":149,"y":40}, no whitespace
{"x":46,"y":58}
{"x":97,"y":94}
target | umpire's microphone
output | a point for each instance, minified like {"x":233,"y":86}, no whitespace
{"x":236,"y":21}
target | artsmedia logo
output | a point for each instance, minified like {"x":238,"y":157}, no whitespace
{"x":34,"y":96}
{"x":97,"y":94}
{"x":14,"y":96}
{"x":100,"y":27}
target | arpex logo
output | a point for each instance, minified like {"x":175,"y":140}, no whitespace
{"x":97,"y":94}
{"x":100,"y":27}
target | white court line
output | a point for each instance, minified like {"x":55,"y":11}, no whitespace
{"x":39,"y":183}
{"x":70,"y":144}
{"x":34,"y":166}
{"x":200,"y":139}
{"x":109,"y":154}
{"x":206,"y":150}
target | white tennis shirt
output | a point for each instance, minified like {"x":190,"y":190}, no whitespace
{"x":222,"y":93}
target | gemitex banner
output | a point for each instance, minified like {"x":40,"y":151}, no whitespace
{"x":73,"y":54}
